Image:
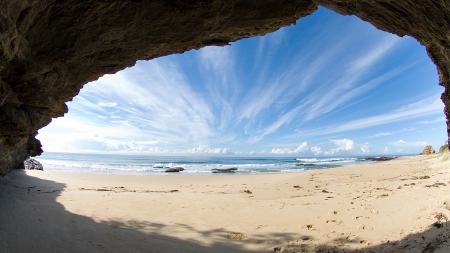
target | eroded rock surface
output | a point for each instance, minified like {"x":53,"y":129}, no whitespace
{"x":50,"y":49}
{"x":428,"y":150}
{"x":31,"y":164}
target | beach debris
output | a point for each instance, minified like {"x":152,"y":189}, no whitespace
{"x":235,"y":236}
{"x":306,"y":238}
{"x":31,"y":164}
{"x":440,"y":220}
{"x":175,"y":169}
{"x":297,"y":186}
{"x":428,"y":150}
{"x":247,"y":191}
{"x":277,"y":249}
{"x":229,"y":170}
{"x":437,"y":184}
{"x":365,"y":242}
{"x":309,"y":227}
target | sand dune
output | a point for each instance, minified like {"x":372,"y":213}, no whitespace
{"x":383,"y":207}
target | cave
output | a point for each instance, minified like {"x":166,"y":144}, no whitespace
{"x":50,"y":49}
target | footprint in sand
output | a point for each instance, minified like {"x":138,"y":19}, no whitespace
{"x":373,"y":211}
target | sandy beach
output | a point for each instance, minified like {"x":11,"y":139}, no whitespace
{"x":382,"y":207}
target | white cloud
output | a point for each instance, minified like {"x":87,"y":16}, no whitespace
{"x":342,"y":89}
{"x":386,"y":150}
{"x":344,"y":144}
{"x":347,"y":146}
{"x":107,"y":104}
{"x":426,"y":122}
{"x":402,"y":143}
{"x":316,"y":150}
{"x":427,"y":106}
{"x":285,"y":151}
{"x":366,"y":148}
{"x":388,"y":133}
{"x":205,"y":149}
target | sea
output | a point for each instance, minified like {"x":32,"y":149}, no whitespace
{"x":157,"y":165}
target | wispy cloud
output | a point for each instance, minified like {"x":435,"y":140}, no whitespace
{"x":388,"y":133}
{"x":342,"y":89}
{"x":401,"y":143}
{"x":426,"y":122}
{"x":427,"y":106}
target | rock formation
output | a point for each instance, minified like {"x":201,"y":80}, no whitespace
{"x":175,"y":169}
{"x":428,"y":150}
{"x":31,"y":164}
{"x":50,"y":49}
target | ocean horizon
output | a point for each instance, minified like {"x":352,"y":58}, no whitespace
{"x":139,"y":164}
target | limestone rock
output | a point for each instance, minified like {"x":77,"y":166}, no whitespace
{"x":31,"y":164}
{"x":428,"y":150}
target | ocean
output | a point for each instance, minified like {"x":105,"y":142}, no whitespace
{"x":157,"y":165}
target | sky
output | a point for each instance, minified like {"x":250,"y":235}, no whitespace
{"x":331,"y":85}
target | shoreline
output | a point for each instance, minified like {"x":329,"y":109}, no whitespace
{"x":158,"y":166}
{"x":381,"y":207}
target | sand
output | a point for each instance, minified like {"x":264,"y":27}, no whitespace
{"x":382,"y":207}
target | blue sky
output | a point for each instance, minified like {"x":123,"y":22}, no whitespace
{"x":330,"y":85}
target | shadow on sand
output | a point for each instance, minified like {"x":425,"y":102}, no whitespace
{"x":31,"y":220}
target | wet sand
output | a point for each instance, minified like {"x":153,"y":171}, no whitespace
{"x":382,"y":207}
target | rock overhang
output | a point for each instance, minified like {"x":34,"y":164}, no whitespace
{"x":50,"y":48}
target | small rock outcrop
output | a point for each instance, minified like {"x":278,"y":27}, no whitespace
{"x":229,"y":170}
{"x":428,"y":150}
{"x":305,"y":164}
{"x":175,"y":169}
{"x":32,"y":164}
{"x":379,"y":159}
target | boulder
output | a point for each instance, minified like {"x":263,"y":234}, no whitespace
{"x":428,"y":150}
{"x":31,"y":164}
{"x":175,"y":169}
{"x":379,"y":159}
{"x":229,"y":170}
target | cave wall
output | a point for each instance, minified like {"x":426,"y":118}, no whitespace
{"x":51,"y":48}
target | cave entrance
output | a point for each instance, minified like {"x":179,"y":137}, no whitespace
{"x":329,"y":85}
